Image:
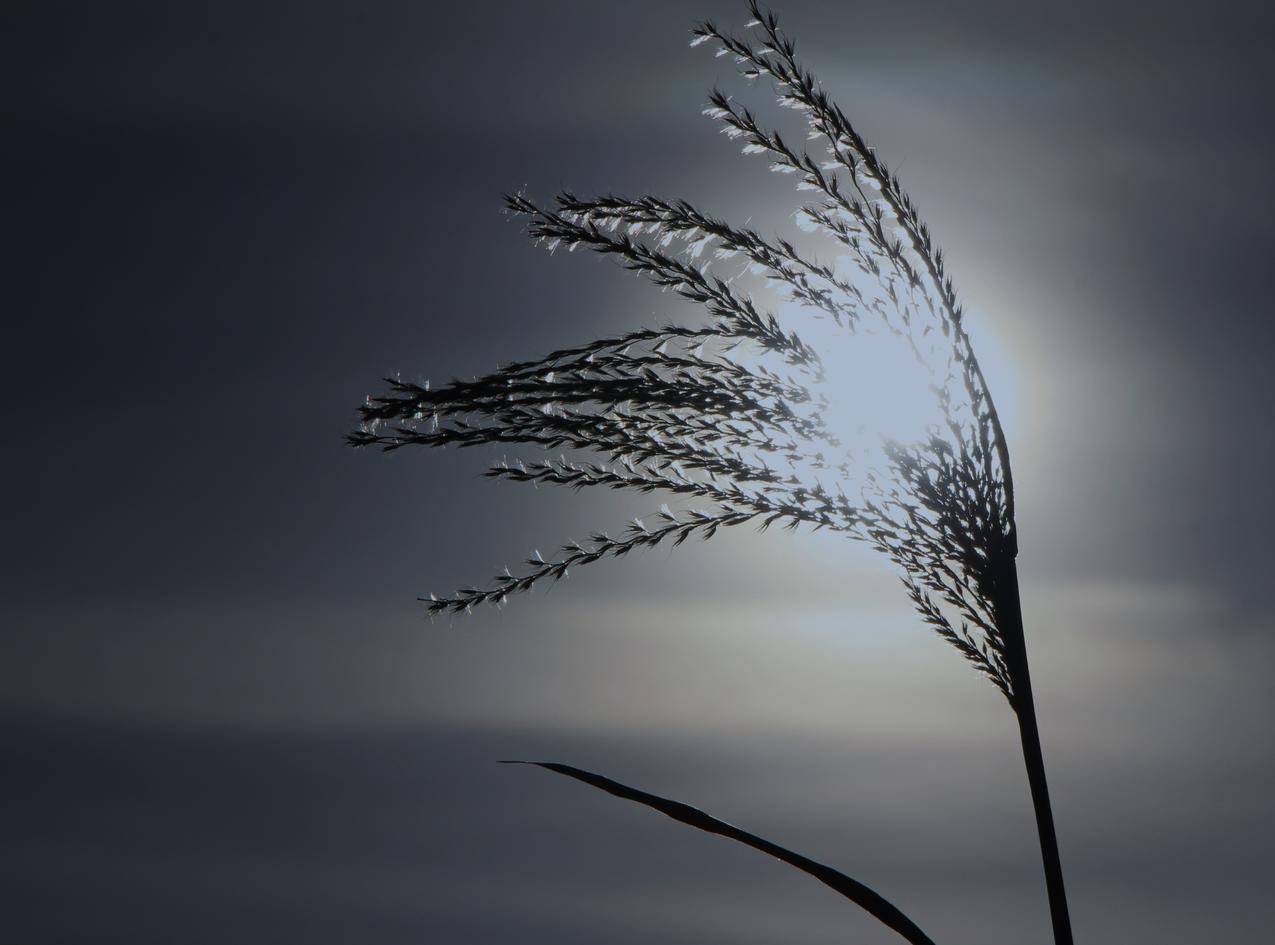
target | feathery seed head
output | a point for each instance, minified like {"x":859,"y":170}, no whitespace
{"x":702,"y":411}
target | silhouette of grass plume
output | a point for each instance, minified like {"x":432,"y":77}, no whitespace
{"x":731,"y":415}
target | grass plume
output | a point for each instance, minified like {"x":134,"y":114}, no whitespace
{"x":731,"y":414}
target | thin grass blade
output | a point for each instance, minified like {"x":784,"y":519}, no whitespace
{"x":863,"y":896}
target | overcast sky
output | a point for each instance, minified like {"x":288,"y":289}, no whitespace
{"x":226,"y":716}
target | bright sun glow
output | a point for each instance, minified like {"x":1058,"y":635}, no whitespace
{"x":876,"y":388}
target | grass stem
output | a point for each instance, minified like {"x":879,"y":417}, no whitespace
{"x":1024,"y":706}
